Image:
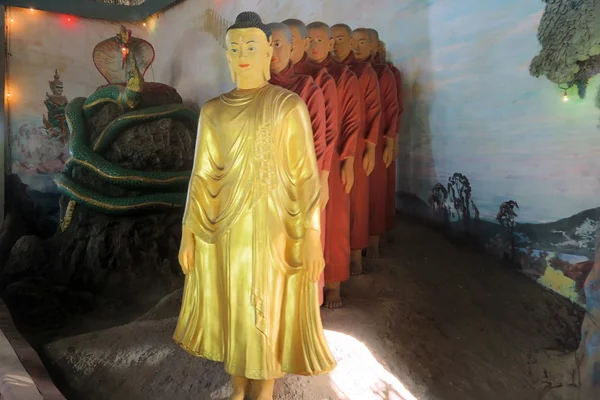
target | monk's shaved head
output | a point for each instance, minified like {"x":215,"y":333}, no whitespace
{"x":374,"y":34}
{"x":283,"y":28}
{"x":366,"y":31}
{"x":344,"y":27}
{"x":319,"y":25}
{"x":296,"y":23}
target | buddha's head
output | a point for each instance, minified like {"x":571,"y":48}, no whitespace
{"x":320,"y":41}
{"x":374,"y":39}
{"x":299,"y":38}
{"x":342,"y":41}
{"x":362,"y":43}
{"x":281,"y":38}
{"x":249,"y":50}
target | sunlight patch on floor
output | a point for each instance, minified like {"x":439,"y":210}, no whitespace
{"x":359,"y":376}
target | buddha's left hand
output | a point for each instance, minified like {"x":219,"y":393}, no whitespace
{"x":312,"y":254}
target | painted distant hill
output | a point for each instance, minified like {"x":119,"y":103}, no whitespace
{"x":573,"y":235}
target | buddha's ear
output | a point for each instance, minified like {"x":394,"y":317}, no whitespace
{"x":231,"y":71}
{"x":331,"y":44}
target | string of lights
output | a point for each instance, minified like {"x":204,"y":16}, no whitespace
{"x":7,"y":86}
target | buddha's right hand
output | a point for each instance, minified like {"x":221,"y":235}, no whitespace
{"x":187,"y":250}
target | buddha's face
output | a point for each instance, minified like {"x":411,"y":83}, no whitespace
{"x":299,"y":45}
{"x":248,"y":53}
{"x":282,"y":51}
{"x":362,"y":45}
{"x":319,"y":44}
{"x":342,"y":43}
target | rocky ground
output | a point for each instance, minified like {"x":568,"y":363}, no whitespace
{"x":429,"y":320}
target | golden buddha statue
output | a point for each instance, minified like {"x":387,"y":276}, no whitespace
{"x":251,"y":247}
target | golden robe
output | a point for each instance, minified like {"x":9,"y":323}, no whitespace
{"x":248,"y":302}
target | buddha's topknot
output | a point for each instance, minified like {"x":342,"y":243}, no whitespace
{"x":250,"y":19}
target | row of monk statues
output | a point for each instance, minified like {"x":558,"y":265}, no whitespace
{"x":293,"y":179}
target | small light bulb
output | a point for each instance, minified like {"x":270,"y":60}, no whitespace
{"x":144,"y":24}
{"x":565,"y":97}
{"x":69,"y":19}
{"x":12,"y":20}
{"x":7,"y":94}
{"x":31,"y":9}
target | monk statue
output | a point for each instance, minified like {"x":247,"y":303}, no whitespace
{"x":55,"y":103}
{"x":251,"y":248}
{"x":391,"y":173}
{"x":341,"y":180}
{"x":350,"y":49}
{"x":387,"y":136}
{"x":302,"y":65}
{"x":282,"y":74}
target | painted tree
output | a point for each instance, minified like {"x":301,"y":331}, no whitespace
{"x":437,"y":202}
{"x":459,"y":191}
{"x":506,"y":218}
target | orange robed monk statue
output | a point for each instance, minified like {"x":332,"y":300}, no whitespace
{"x":388,"y":131}
{"x":341,"y":179}
{"x":283,"y":74}
{"x":251,"y":247}
{"x":350,"y":49}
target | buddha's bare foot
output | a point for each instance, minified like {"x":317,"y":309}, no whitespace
{"x":263,"y":390}
{"x":356,"y":268}
{"x":332,"y":297}
{"x":373,"y":248}
{"x":240,"y":387}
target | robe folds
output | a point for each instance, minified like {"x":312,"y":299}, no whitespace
{"x":378,"y":180}
{"x":391,"y":171}
{"x":370,"y":102}
{"x":337,"y":246}
{"x":327,"y":85}
{"x":254,"y":191}
{"x":305,"y":87}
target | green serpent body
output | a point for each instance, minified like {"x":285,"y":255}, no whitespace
{"x":167,"y":189}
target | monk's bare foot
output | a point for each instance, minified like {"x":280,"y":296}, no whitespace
{"x":332,"y":297}
{"x":356,"y":267}
{"x":373,"y":249}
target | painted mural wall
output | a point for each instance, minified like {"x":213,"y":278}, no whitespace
{"x":50,"y":64}
{"x":486,"y":148}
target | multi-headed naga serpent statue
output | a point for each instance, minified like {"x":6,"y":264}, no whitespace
{"x":155,"y":189}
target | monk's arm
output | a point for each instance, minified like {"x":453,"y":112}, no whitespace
{"x":350,"y":116}
{"x":398,"y":79}
{"x":301,"y":163}
{"x":316,"y":108}
{"x":332,"y":119}
{"x":372,"y":108}
{"x":390,"y":105}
